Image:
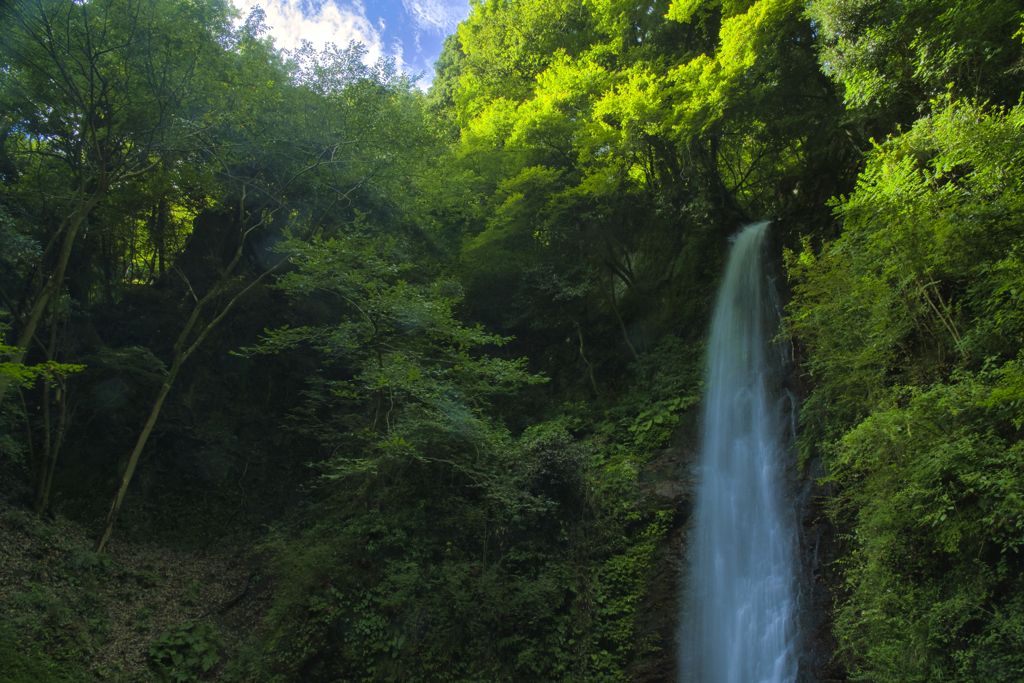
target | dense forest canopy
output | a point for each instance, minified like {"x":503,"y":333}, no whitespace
{"x":436,"y":356}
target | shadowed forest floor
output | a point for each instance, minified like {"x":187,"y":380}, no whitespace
{"x":103,"y":612}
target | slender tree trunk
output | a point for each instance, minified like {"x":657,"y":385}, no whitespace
{"x":52,"y":285}
{"x":28,"y":430}
{"x":43,"y":472}
{"x":129,"y":471}
{"x":54,"y":441}
{"x":615,"y":309}
{"x":947,"y":322}
{"x":39,"y":468}
{"x":58,"y":441}
{"x":182,"y":351}
{"x":161,"y":239}
{"x":181,"y":354}
{"x":583,"y":355}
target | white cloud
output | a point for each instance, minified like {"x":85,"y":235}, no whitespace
{"x":328,"y":23}
{"x":437,"y":16}
{"x":419,"y":25}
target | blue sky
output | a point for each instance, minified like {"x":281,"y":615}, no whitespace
{"x":411,"y":31}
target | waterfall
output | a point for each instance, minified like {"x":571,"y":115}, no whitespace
{"x":739,"y":614}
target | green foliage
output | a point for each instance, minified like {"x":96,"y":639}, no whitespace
{"x":26,"y":375}
{"x":615,"y":161}
{"x":12,"y":443}
{"x":415,"y":373}
{"x":667,"y":384}
{"x":903,"y":54}
{"x":711,"y":81}
{"x":623,"y":581}
{"x":937,"y":499}
{"x":97,"y":114}
{"x":912,"y":330}
{"x":444,"y":549}
{"x":21,"y":666}
{"x":66,"y":631}
{"x":508,"y":44}
{"x":923,"y":272}
{"x":571,"y":180}
{"x":185,"y":653}
{"x":407,"y":572}
{"x":658,"y":422}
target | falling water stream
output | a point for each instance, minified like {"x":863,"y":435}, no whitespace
{"x":739,"y":615}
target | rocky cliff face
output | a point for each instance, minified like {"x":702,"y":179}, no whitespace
{"x":667,"y":482}
{"x":819,"y":548}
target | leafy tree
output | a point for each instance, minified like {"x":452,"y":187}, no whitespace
{"x":636,"y":151}
{"x":912,"y":333}
{"x":902,"y":55}
{"x":408,"y":359}
{"x":328,"y":159}
{"x":507,"y":44}
{"x":402,"y":405}
{"x":53,"y":377}
{"x":93,"y":93}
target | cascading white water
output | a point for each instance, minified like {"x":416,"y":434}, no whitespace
{"x":739,"y":615}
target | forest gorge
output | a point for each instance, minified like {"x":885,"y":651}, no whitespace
{"x":433,"y":361}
